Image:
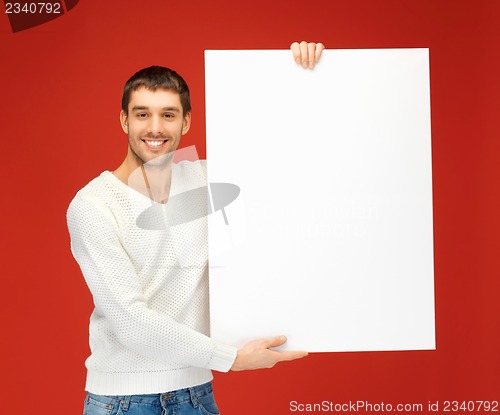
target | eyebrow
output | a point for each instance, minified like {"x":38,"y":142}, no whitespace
{"x":142,"y":108}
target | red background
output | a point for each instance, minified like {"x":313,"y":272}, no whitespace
{"x":60,"y":99}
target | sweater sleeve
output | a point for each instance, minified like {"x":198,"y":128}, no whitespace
{"x":117,"y":294}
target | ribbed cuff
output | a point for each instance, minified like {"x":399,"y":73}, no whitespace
{"x":223,"y":357}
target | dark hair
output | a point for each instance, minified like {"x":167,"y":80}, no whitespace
{"x":157,"y":77}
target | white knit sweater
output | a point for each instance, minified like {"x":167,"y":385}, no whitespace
{"x":149,"y":329}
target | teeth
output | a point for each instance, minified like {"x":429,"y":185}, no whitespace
{"x":154,"y":143}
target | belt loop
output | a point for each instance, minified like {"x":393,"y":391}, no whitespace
{"x":125,"y":402}
{"x":194,"y":398}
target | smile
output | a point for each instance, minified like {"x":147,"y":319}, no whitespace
{"x":154,"y":143}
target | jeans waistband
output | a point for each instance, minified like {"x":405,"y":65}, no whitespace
{"x":167,"y":398}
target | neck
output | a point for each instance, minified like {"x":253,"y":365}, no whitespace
{"x":152,"y":180}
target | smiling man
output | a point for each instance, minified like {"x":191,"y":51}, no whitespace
{"x":154,"y":116}
{"x":149,"y":332}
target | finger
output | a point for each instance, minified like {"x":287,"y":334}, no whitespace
{"x":287,"y":356}
{"x":311,"y":53}
{"x":296,"y":51}
{"x":303,"y":54}
{"x":319,"y":48}
{"x":274,"y":342}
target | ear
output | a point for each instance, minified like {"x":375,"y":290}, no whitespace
{"x":124,"y":121}
{"x":186,"y":123}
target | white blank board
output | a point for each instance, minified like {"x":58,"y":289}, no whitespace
{"x":330,"y":240}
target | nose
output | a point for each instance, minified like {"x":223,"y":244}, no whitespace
{"x":155,"y":126}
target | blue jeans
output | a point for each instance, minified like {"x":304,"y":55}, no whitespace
{"x":198,"y":400}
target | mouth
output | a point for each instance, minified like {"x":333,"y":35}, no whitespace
{"x":154,"y":144}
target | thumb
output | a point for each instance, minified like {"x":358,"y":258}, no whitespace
{"x":276,"y":341}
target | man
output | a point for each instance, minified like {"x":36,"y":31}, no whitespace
{"x":147,"y":269}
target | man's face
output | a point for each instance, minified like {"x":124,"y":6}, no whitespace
{"x":154,"y":124}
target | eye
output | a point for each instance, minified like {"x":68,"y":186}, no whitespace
{"x":142,"y":115}
{"x":168,"y":115}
